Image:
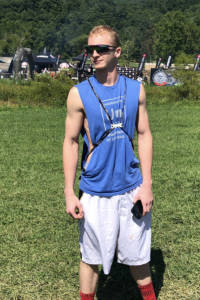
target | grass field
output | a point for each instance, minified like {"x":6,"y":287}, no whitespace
{"x":39,"y":254}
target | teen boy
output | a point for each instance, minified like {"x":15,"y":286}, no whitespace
{"x":107,"y":109}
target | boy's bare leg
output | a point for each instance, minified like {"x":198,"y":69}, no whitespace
{"x":88,"y":278}
{"x":141,"y":274}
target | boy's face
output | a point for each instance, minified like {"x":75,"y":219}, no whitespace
{"x":107,"y":59}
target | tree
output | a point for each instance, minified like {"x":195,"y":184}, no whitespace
{"x":59,"y":25}
{"x":174,"y":33}
{"x":77,"y":44}
{"x":127,"y":51}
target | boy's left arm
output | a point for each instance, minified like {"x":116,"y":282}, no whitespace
{"x":145,"y":151}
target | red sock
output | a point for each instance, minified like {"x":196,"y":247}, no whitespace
{"x":147,"y":291}
{"x":87,"y":296}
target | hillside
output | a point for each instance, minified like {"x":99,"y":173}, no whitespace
{"x":62,"y":25}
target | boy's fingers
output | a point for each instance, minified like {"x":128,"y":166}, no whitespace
{"x":136,"y":198}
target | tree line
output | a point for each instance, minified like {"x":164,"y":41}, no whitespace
{"x":155,"y":27}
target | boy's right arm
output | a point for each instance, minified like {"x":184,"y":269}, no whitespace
{"x":73,"y":125}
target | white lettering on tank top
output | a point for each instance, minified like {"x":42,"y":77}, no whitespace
{"x":115,"y":114}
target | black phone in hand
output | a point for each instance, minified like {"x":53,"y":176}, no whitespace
{"x":137,"y":209}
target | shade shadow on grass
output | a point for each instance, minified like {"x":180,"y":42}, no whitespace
{"x":158,"y":269}
{"x":118,"y":285}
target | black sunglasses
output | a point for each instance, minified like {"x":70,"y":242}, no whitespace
{"x":100,"y":49}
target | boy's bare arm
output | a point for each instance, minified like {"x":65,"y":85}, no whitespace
{"x":145,"y":151}
{"x":73,"y":125}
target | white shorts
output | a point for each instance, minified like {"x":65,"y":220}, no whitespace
{"x":108,"y":226}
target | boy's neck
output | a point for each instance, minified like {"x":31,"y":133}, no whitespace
{"x":107,"y":78}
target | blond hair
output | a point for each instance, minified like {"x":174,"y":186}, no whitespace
{"x":106,"y":28}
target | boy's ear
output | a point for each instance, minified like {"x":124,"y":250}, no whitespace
{"x":118,"y":52}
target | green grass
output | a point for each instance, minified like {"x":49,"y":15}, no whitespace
{"x":39,"y":254}
{"x":43,"y":91}
{"x":46,"y":91}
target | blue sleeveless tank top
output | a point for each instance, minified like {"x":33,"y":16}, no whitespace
{"x":113,"y":168}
